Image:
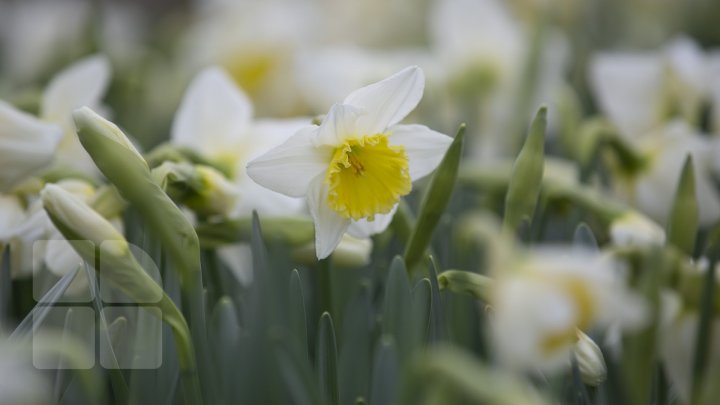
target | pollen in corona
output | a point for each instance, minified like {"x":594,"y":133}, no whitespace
{"x":367,"y":177}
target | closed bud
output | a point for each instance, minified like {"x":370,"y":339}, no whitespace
{"x":76,"y":220}
{"x":590,"y":360}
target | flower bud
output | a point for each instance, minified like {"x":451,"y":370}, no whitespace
{"x":590,"y":360}
{"x":76,"y":220}
{"x":88,"y":120}
{"x":202,"y":188}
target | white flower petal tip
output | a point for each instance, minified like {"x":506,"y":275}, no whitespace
{"x":82,"y":83}
{"x":27,"y":145}
{"x":389,"y":100}
{"x":213,"y":111}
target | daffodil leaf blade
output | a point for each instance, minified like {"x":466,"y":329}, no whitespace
{"x":435,"y":201}
{"x":684,"y":215}
{"x":527,"y":173}
{"x":326,"y":359}
{"x":385,"y":372}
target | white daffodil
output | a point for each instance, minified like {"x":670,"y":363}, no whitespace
{"x":485,"y":51}
{"x":541,"y":301}
{"x":652,"y":190}
{"x":357,"y":164}
{"x":37,"y":242}
{"x":640,"y":91}
{"x":81,"y":84}
{"x":35,"y":35}
{"x":255,"y":42}
{"x":215,"y":118}
{"x":27,"y":145}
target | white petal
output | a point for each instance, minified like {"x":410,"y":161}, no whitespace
{"x":388,"y":101}
{"x":424,"y":147}
{"x":82,"y":84}
{"x":628,"y":88}
{"x":290,"y":167}
{"x":266,"y":202}
{"x":60,"y":257}
{"x":364,"y":228}
{"x":329,"y":226}
{"x":26,"y":145}
{"x":238,"y":257}
{"x":213,"y":112}
{"x":338,"y":125}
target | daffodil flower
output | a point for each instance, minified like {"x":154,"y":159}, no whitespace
{"x":357,"y":164}
{"x":539,"y":303}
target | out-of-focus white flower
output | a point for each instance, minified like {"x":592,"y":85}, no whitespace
{"x":20,"y":382}
{"x":27,"y":145}
{"x":356,"y":165}
{"x":678,"y":338}
{"x":541,"y":301}
{"x":640,"y":91}
{"x":665,"y":150}
{"x":255,"y":42}
{"x":36,"y":242}
{"x":35,"y":34}
{"x":81,"y":84}
{"x":635,"y":229}
{"x":215,"y":118}
{"x":485,"y":51}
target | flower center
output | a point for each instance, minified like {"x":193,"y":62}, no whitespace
{"x":367,"y":177}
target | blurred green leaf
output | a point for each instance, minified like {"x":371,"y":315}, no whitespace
{"x":639,"y":355}
{"x":435,"y":201}
{"x":326,"y":359}
{"x":385,"y":372}
{"x":397,"y":304}
{"x":684,"y":216}
{"x":527,"y":174}
{"x":298,"y":316}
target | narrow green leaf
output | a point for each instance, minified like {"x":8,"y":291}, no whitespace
{"x":421,"y":312}
{"x":117,"y":380}
{"x":703,"y":348}
{"x":326,"y":359}
{"x":297,"y":374}
{"x":5,"y":284}
{"x":584,"y":237}
{"x":355,"y":346}
{"x":639,"y":355}
{"x":298,"y":316}
{"x":396,"y":318}
{"x":683,"y":222}
{"x":435,"y":201}
{"x":527,"y":173}
{"x":257,"y":245}
{"x":385,"y":373}
{"x":437,"y":321}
